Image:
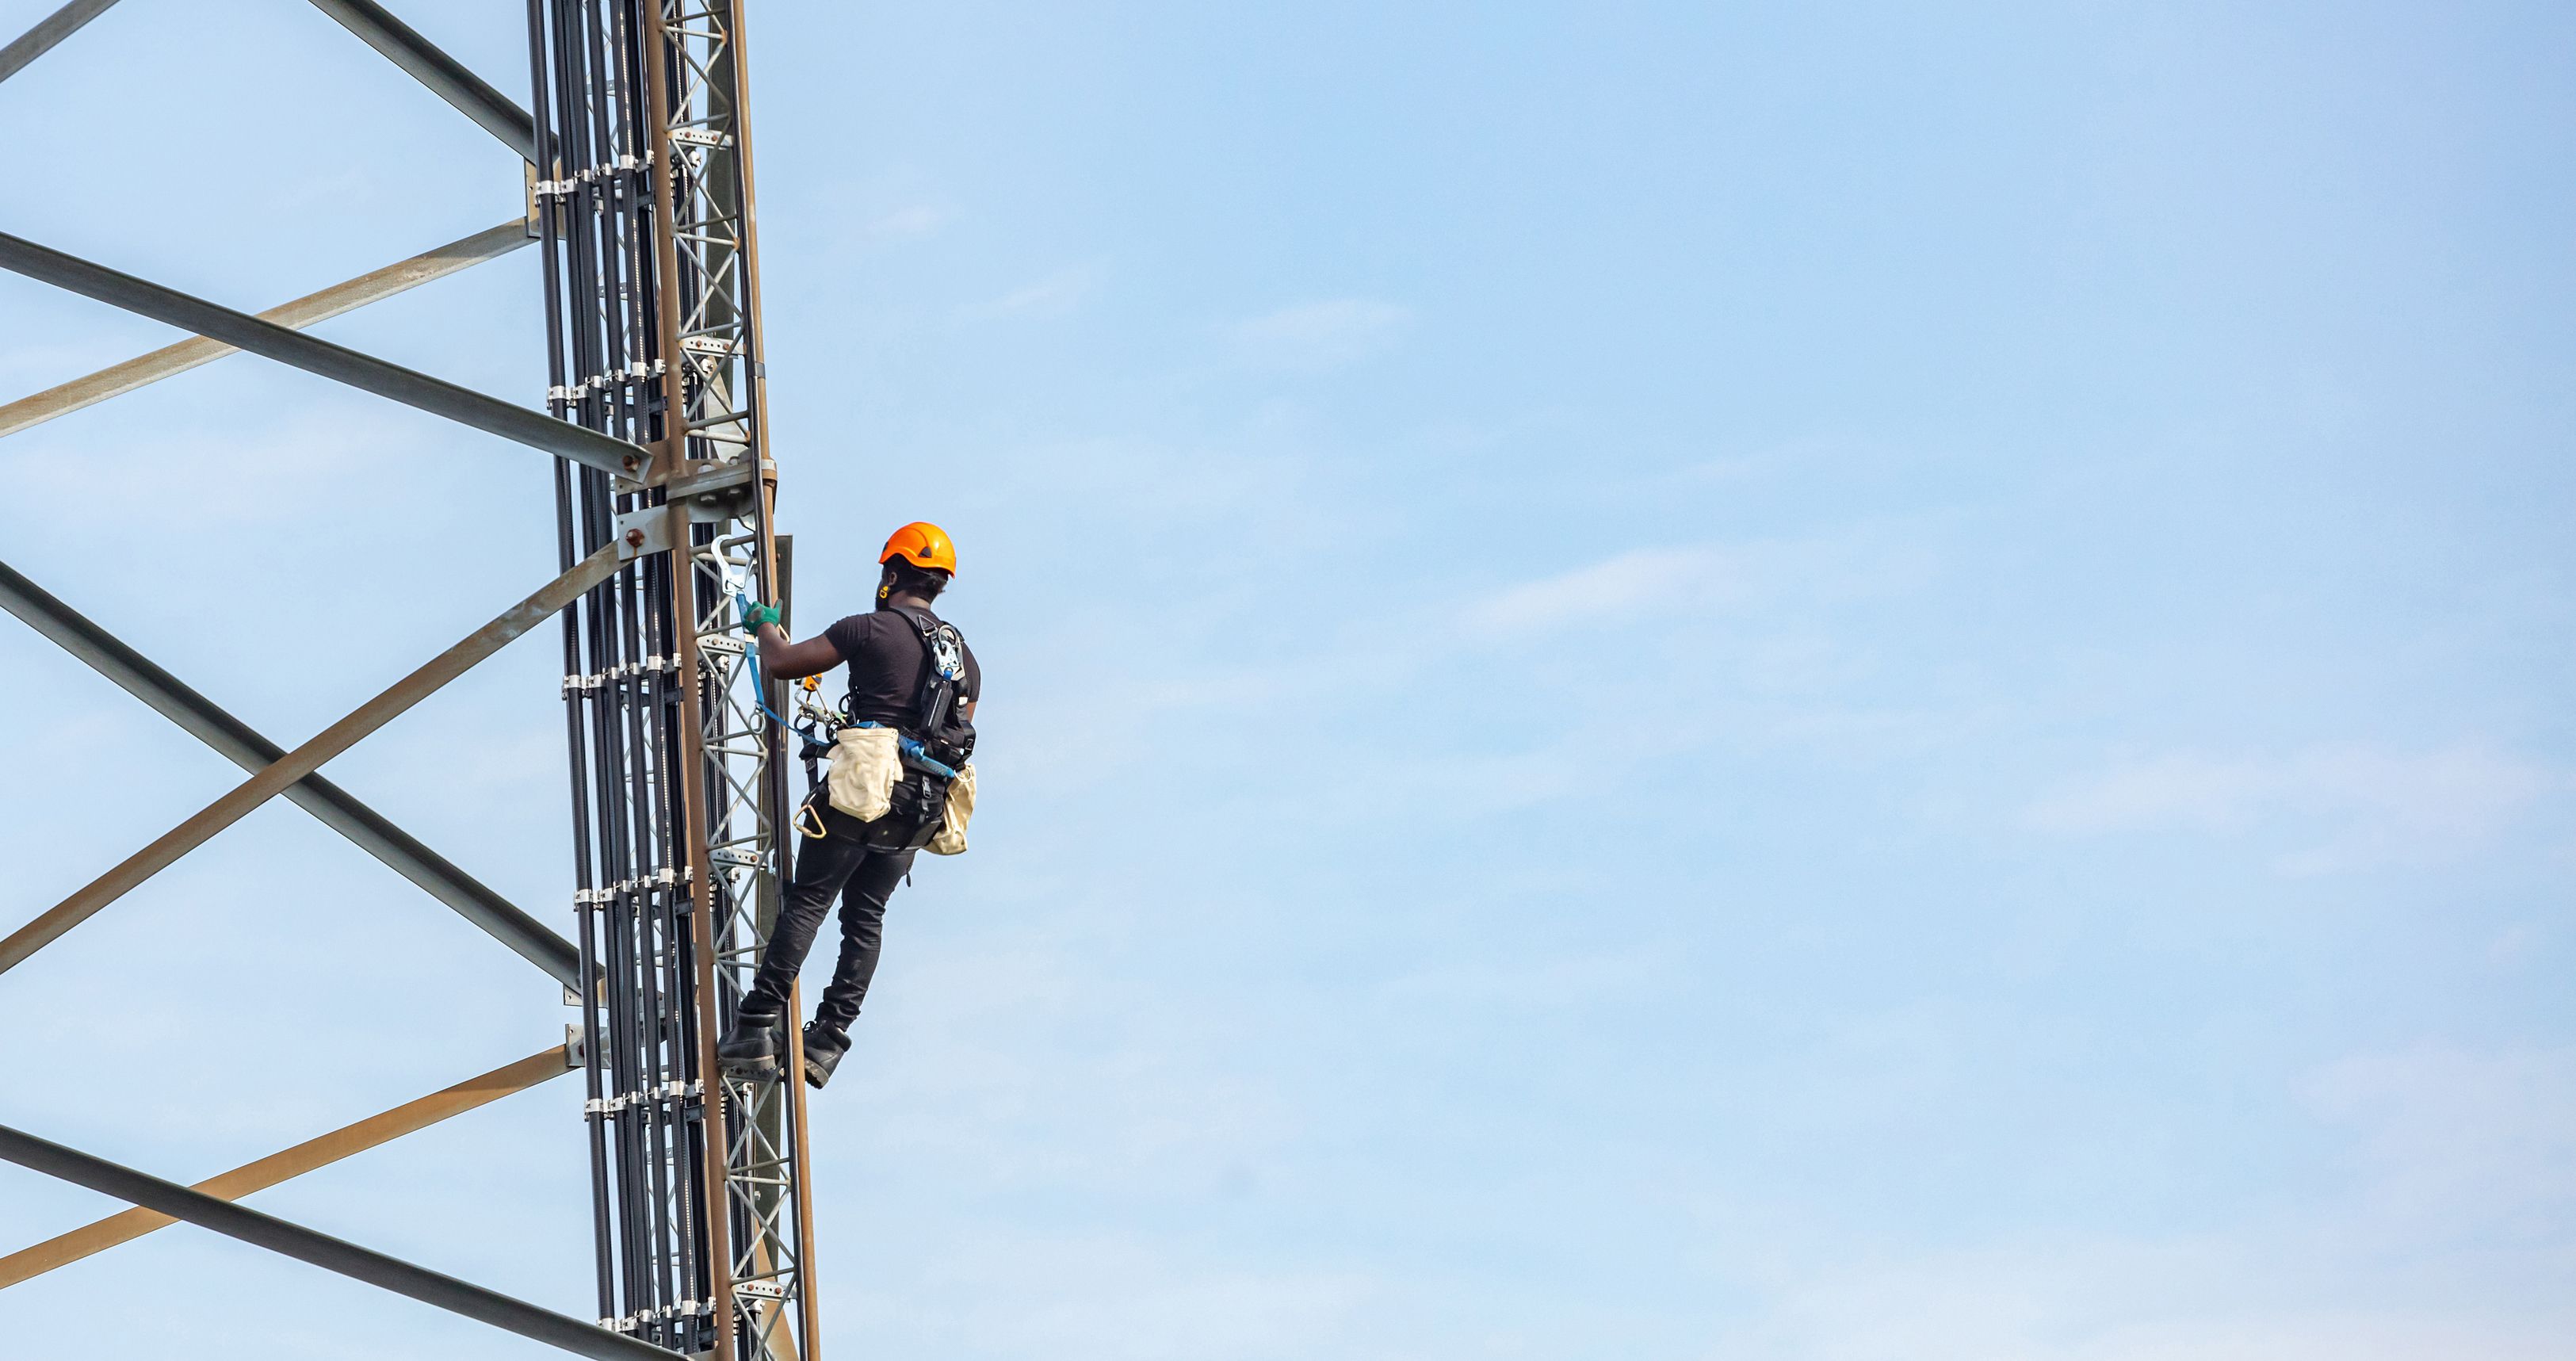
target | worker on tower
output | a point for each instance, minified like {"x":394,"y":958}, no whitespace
{"x":899,"y":783}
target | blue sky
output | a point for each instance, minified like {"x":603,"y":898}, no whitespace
{"x":1667,"y":680}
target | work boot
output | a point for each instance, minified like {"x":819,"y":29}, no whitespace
{"x":823,"y":1051}
{"x":752,"y":1045}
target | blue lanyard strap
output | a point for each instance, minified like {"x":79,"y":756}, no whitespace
{"x":914,"y":754}
{"x":759,"y":678}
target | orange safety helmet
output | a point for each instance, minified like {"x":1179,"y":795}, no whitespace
{"x":924,"y":545}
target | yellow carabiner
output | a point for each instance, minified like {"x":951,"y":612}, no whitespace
{"x":805,"y":811}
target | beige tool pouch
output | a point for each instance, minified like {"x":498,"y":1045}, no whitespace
{"x":865,"y":764}
{"x":951,"y":838}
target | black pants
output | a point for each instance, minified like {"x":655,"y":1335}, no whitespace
{"x":836,"y":862}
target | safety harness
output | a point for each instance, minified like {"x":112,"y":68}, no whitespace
{"x":934,"y":744}
{"x":946,"y":738}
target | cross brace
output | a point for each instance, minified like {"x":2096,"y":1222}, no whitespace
{"x":118,"y":379}
{"x":322,"y":1250}
{"x":362,"y":371}
{"x":445,"y":76}
{"x":237,"y":742}
{"x":408,"y":1118}
{"x":51,"y":29}
{"x":280,"y":775}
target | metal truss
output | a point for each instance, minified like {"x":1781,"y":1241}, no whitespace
{"x":679,"y":784}
{"x":640,"y":177}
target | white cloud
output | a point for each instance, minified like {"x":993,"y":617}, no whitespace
{"x":2374,"y":805}
{"x":1052,"y":296}
{"x":1322,"y":334}
{"x":2188,"y":1300}
{"x":158,"y":479}
{"x":910,"y":222}
{"x":2459,"y":1142}
{"x":1112,"y":1295}
{"x":1613,"y":588}
{"x":1787,"y":585}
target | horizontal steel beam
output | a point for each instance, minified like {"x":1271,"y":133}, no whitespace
{"x":173,"y":699}
{"x":408,"y":1118}
{"x":171,"y":360}
{"x":322,"y":1250}
{"x":445,"y":76}
{"x":282,"y":774}
{"x":362,"y":371}
{"x":51,"y":29}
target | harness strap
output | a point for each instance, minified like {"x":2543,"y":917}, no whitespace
{"x":935,"y":696}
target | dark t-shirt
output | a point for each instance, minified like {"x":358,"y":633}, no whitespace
{"x":886,"y":660}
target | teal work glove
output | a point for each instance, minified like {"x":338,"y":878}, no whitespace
{"x":753,"y":616}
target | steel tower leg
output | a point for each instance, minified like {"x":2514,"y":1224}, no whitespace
{"x":701,"y":1215}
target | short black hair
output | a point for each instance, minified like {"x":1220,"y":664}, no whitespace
{"x":906,"y":579}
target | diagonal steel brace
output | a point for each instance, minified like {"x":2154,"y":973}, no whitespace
{"x":282,"y":774}
{"x":51,"y":29}
{"x":445,"y":76}
{"x":409,"y":1118}
{"x":322,"y":1250}
{"x":170,"y":360}
{"x":362,"y":371}
{"x":243,"y":746}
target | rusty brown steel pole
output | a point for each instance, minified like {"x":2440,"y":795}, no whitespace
{"x":691,"y":780}
{"x":738,"y":67}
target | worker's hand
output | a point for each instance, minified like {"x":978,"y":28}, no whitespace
{"x":753,"y":616}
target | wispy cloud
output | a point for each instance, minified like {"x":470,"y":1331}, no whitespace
{"x":911,"y":222}
{"x":1792,"y":581}
{"x":1321,"y":334}
{"x":1612,"y":588}
{"x":2373,"y":805}
{"x":1053,"y":296}
{"x":329,"y":447}
{"x":2458,"y":1141}
{"x":2109,"y":1299}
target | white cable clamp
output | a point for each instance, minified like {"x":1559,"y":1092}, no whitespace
{"x":554,"y":188}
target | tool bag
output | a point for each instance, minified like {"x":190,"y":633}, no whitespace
{"x":866,"y":763}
